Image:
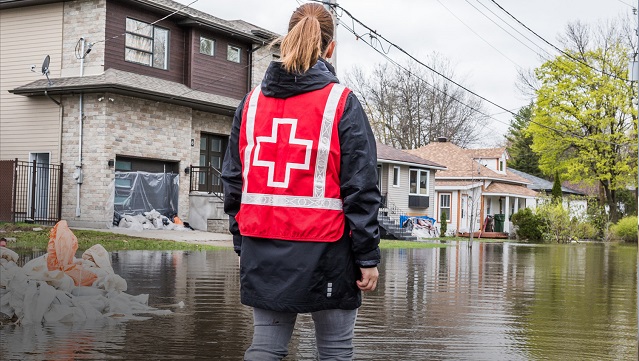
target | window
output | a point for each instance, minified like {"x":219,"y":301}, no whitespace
{"x":207,"y":46}
{"x":444,"y":205}
{"x":233,"y":54}
{"x":501,"y":165}
{"x":418,"y":182}
{"x":212,"y":148}
{"x":395,"y":176}
{"x":146,"y":44}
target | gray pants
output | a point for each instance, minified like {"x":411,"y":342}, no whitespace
{"x":273,"y":330}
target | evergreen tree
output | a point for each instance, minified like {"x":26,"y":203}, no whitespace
{"x":519,"y":141}
{"x":556,"y":189}
{"x":444,"y":222}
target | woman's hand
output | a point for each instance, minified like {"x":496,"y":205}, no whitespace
{"x":369,"y":279}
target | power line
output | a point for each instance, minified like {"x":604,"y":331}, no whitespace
{"x":625,"y":3}
{"x":373,"y":33}
{"x":479,"y":36}
{"x":555,"y":47}
{"x":146,"y":25}
{"x":510,"y":26}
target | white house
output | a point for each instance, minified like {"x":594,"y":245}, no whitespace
{"x":475,"y":184}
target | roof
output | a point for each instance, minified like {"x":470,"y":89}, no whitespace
{"x":142,"y":86}
{"x":540,"y":184}
{"x":461,"y":162}
{"x":390,"y":154}
{"x":486,"y":153}
{"x":188,"y":15}
{"x":497,"y":188}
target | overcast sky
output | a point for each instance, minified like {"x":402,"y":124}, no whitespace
{"x":484,"y":56}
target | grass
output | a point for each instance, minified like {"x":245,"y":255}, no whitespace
{"x":27,"y":238}
{"x":432,"y":242}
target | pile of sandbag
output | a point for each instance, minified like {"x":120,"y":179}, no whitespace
{"x":152,"y":220}
{"x":57,"y":287}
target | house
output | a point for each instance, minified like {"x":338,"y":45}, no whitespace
{"x":574,"y":200}
{"x":136,"y":105}
{"x":407,"y":185}
{"x":475,"y":184}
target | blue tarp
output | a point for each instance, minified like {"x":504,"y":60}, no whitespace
{"x":402,"y":219}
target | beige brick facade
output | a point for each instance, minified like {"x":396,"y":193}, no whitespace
{"x":83,"y":19}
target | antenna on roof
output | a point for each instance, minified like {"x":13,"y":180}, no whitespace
{"x":45,"y":68}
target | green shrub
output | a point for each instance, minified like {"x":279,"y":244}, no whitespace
{"x":585,"y":230}
{"x":444,"y":226}
{"x":598,"y":217}
{"x":625,"y":229}
{"x":558,"y":223}
{"x":529,"y":226}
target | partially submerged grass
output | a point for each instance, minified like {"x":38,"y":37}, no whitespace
{"x":393,"y":244}
{"x":27,"y":238}
{"x":430,"y":243}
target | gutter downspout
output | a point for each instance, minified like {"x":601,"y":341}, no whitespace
{"x":77,"y":175}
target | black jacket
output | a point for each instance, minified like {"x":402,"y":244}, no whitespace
{"x":297,"y":276}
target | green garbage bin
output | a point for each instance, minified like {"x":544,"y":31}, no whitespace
{"x":499,"y":222}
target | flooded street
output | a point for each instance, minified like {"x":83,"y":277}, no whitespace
{"x":492,"y":302}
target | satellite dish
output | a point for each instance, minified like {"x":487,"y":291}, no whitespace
{"x":45,"y":67}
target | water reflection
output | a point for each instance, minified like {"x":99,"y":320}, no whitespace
{"x":491,"y":302}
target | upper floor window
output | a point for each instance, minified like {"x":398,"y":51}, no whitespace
{"x":233,"y":54}
{"x":395,"y":176}
{"x":207,"y":46}
{"x":418,"y":182}
{"x":146,"y":44}
{"x":501,"y":165}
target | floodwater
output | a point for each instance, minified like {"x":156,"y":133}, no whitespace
{"x":490,"y":302}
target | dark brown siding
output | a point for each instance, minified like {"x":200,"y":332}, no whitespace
{"x":116,"y":15}
{"x":215,"y":74}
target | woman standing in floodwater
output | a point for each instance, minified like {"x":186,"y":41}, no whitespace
{"x":300,"y":185}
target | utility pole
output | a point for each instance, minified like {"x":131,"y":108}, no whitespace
{"x":331,"y":9}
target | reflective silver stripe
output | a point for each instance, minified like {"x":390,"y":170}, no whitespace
{"x":291,"y":201}
{"x":250,"y":129}
{"x":324,"y":144}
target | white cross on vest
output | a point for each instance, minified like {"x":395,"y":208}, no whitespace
{"x":259,"y":161}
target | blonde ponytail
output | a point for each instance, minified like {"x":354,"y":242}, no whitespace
{"x":310,"y":32}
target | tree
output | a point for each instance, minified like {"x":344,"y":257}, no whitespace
{"x":406,"y":112}
{"x":444,"y":225}
{"x":519,"y":143}
{"x":584,"y":124}
{"x":556,"y":189}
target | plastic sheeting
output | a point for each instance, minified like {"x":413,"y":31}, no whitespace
{"x":139,"y":192}
{"x":60,"y":288}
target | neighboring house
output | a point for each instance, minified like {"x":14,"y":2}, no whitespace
{"x":407,"y":184}
{"x":475,"y":184}
{"x":574,"y":200}
{"x":132,"y":103}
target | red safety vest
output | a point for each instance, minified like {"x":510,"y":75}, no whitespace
{"x":290,"y":156}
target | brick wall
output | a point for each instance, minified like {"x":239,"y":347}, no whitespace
{"x":261,"y":60}
{"x":119,"y":125}
{"x":207,"y":123}
{"x":87,"y":19}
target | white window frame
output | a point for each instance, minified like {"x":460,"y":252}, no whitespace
{"x":229,"y":47}
{"x":398,"y":170}
{"x":213,"y":43}
{"x":450,"y":207}
{"x":419,"y":173}
{"x":152,"y":38}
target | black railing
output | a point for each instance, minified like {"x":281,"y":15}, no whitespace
{"x":30,"y":192}
{"x":206,"y":179}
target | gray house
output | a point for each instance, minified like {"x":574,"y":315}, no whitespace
{"x":407,"y":185}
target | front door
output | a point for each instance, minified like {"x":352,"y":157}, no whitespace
{"x":212,"y":148}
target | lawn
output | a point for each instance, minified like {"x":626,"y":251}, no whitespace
{"x":27,"y":238}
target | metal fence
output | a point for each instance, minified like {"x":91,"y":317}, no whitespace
{"x":205,"y":179}
{"x":30,"y":192}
